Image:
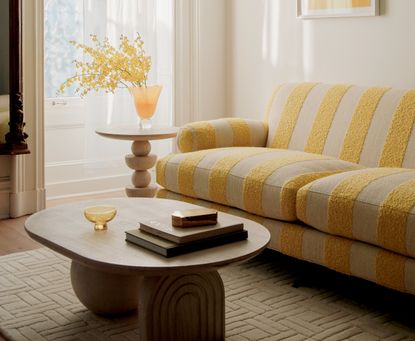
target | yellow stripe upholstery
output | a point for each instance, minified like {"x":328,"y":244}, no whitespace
{"x":398,"y":135}
{"x":372,"y":126}
{"x":290,"y":114}
{"x":185,"y":171}
{"x":372,"y":205}
{"x":393,"y":217}
{"x":251,"y":178}
{"x":225,"y":132}
{"x":324,"y":118}
{"x":161,"y":169}
{"x":337,"y":253}
{"x":270,"y":103}
{"x":255,"y":180}
{"x":306,"y":161}
{"x":359,"y":126}
{"x":343,"y":197}
{"x":219,"y":173}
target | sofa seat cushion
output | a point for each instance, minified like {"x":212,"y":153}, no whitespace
{"x":375,"y":205}
{"x":347,"y":256}
{"x":262,"y":181}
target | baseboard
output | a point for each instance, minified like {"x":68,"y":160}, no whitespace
{"x":89,"y":185}
{"x":27,"y":202}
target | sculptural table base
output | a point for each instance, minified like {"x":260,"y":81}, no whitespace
{"x":141,"y":161}
{"x":105,"y":293}
{"x":174,"y":307}
{"x":182,"y":307}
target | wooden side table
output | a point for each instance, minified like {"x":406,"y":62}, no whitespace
{"x":140,"y":160}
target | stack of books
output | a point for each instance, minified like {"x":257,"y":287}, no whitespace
{"x":160,"y":236}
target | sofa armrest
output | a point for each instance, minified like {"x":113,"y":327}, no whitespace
{"x":223,"y":132}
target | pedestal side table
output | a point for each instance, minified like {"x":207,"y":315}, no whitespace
{"x":140,"y":160}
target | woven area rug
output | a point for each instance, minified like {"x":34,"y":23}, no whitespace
{"x":269,"y":298}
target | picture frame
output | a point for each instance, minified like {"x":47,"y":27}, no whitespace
{"x":311,"y":9}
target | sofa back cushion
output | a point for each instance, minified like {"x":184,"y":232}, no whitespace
{"x":372,"y":126}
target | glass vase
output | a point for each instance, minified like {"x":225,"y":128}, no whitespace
{"x":145,"y":101}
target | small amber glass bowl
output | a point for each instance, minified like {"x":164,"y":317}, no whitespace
{"x":100,"y":215}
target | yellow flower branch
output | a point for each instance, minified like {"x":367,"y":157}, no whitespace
{"x":108,"y":67}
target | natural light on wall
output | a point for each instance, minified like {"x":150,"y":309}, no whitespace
{"x":78,"y":160}
{"x":270,"y":32}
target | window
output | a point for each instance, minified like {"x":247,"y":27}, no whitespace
{"x":78,"y":160}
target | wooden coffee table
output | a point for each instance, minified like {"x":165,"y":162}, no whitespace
{"x":179,"y":298}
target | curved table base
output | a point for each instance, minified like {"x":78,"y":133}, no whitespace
{"x":105,"y":293}
{"x":182,"y":307}
{"x":176,"y":307}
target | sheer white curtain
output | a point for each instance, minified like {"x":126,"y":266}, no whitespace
{"x":113,"y":18}
{"x":76,"y":159}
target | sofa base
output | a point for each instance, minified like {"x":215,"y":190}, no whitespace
{"x":340,"y":254}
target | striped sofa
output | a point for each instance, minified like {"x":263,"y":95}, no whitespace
{"x":330,"y":171}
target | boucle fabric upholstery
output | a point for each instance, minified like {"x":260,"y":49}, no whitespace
{"x":337,"y":253}
{"x":360,"y":219}
{"x":373,"y":126}
{"x":262,"y":181}
{"x":225,"y":132}
{"x":374,"y":205}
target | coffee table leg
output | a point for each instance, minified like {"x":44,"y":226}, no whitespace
{"x":140,"y":161}
{"x":182,"y":307}
{"x":105,"y":293}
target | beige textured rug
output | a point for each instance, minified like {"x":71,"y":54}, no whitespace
{"x":270,"y":298}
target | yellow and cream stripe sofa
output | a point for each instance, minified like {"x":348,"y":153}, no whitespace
{"x":330,"y":171}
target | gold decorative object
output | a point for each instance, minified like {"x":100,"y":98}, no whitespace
{"x":100,"y":215}
{"x":145,"y":100}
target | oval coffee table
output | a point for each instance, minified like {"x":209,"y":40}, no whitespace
{"x":140,"y":160}
{"x":179,"y":298}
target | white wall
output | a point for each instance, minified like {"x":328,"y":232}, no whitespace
{"x":212,"y":59}
{"x":267,"y":45}
{"x":200,"y":60}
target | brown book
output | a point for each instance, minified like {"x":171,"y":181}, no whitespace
{"x":162,"y":227}
{"x":194,"y":217}
{"x":168,"y":248}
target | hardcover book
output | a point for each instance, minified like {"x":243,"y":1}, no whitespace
{"x":168,"y":248}
{"x":163,"y":227}
{"x":194,"y":217}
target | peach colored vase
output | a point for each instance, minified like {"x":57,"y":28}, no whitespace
{"x":145,"y":100}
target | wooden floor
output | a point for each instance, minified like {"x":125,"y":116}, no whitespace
{"x":13,"y":237}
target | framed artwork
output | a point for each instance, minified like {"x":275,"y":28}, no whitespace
{"x":308,"y":9}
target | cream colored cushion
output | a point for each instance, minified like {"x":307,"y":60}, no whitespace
{"x":262,"y":181}
{"x":375,"y":205}
{"x":373,"y":126}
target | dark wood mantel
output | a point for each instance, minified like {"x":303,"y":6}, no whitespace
{"x":16,"y":137}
